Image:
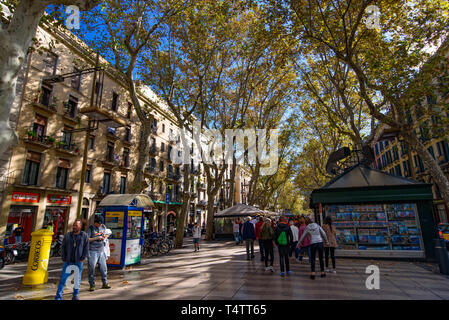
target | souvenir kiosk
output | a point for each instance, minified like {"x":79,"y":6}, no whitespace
{"x":378,"y":215}
{"x":123,"y":215}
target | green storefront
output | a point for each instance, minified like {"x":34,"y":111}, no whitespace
{"x":378,"y":215}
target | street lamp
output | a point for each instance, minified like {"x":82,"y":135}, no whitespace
{"x":93,"y":112}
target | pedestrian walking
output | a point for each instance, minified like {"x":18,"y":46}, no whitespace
{"x":266,"y":237}
{"x":18,"y":233}
{"x":196,"y":236}
{"x":74,"y":250}
{"x":305,"y":245}
{"x":294,"y":246}
{"x":331,"y":233}
{"x":236,"y":229}
{"x":284,"y":239}
{"x":96,"y":255}
{"x":317,"y":235}
{"x":259,"y":225}
{"x":249,"y":236}
{"x":241,"y":231}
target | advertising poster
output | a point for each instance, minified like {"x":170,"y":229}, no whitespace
{"x":115,"y":246}
{"x":132,"y":251}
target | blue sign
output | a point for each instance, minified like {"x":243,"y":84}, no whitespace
{"x":167,"y":197}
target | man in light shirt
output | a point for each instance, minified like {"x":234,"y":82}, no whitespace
{"x":196,"y":236}
{"x":295,"y":232}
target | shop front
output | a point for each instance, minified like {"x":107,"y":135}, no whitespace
{"x":378,"y":215}
{"x":23,"y":210}
{"x":57,"y":212}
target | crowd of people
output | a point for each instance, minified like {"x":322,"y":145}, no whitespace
{"x":298,"y":235}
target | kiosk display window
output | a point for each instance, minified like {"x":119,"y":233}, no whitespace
{"x":376,"y":226}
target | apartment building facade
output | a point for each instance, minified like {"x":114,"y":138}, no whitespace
{"x":63,"y":95}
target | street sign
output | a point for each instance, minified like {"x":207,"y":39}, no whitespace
{"x":167,"y":198}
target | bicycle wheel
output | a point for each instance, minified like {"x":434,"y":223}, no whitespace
{"x":9,"y":257}
{"x":146,"y":251}
{"x":153,"y":250}
{"x":163,"y":248}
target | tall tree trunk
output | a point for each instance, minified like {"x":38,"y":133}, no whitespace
{"x":180,"y":221}
{"x":232,"y":185}
{"x":430,"y":163}
{"x":210,"y":215}
{"x":15,"y":40}
{"x":139,"y":183}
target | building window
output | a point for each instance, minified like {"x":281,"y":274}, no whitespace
{"x":152,"y":163}
{"x":50,"y":63}
{"x":128,"y":134}
{"x":123,"y":185}
{"x":46,"y":94}
{"x":71,"y":107}
{"x":106,"y":182}
{"x":110,"y":152}
{"x":161,"y":165}
{"x":163,"y":127}
{"x":376,"y":147}
{"x":92,"y":143}
{"x":162,"y":147}
{"x":395,"y":153}
{"x":62,"y":173}
{"x":125,"y":162}
{"x":88,"y":173}
{"x":129,"y":112}
{"x":39,"y":125}
{"x":31,"y":170}
{"x":160,"y":187}
{"x":397,"y":170}
{"x":114,"y":101}
{"x":76,"y":80}
{"x":67,"y":137}
{"x":381,"y":146}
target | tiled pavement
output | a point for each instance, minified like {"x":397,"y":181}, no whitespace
{"x":220,"y":271}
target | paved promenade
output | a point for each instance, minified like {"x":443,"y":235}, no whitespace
{"x":220,"y":271}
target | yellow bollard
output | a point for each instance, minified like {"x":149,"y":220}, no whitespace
{"x":38,"y":258}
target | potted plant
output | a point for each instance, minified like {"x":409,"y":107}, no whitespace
{"x":31,"y":134}
{"x":50,"y":140}
{"x":61,"y":144}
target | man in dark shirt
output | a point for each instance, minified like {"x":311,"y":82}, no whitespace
{"x":74,"y":249}
{"x":18,"y":234}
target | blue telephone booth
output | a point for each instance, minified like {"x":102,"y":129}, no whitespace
{"x":123,"y":215}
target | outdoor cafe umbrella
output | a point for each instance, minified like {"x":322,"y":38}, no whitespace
{"x":239,"y":210}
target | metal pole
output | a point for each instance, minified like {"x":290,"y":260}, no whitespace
{"x":165,"y":218}
{"x":83,"y":171}
{"x":86,"y":143}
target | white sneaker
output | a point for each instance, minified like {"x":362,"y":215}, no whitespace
{"x":334,"y":271}
{"x":271,"y":269}
{"x":267,"y":268}
{"x":327,"y":270}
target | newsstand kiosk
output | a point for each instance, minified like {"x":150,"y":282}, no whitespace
{"x":123,"y":215}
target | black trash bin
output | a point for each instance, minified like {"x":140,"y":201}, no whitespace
{"x":442,"y":256}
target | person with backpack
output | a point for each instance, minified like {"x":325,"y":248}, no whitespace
{"x":305,"y":245}
{"x":258,"y":228}
{"x":331,"y":233}
{"x":317,"y":235}
{"x":266,"y":237}
{"x":284,"y":238}
{"x":249,"y":236}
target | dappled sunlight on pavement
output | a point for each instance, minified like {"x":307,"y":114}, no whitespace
{"x":220,"y":271}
